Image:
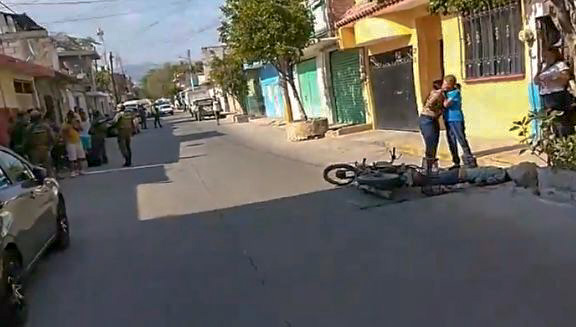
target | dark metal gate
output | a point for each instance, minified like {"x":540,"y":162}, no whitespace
{"x":393,"y":90}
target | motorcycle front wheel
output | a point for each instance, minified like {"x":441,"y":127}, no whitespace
{"x":340,"y":174}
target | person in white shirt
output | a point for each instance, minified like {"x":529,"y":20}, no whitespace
{"x":552,"y":78}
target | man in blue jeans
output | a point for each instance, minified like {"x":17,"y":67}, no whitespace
{"x":454,"y":120}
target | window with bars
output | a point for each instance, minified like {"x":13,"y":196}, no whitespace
{"x":492,"y":47}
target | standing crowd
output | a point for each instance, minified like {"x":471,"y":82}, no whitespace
{"x":80,"y":142}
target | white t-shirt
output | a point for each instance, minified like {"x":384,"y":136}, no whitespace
{"x":85,"y":128}
{"x":548,"y":78}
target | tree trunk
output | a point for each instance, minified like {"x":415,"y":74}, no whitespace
{"x":288,"y":117}
{"x":297,"y":96}
{"x":281,"y":67}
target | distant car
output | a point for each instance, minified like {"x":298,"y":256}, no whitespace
{"x":166,"y":109}
{"x":203,"y":108}
{"x":33,"y":218}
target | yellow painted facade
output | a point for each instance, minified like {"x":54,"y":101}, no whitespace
{"x":489,"y":106}
{"x":8,"y":96}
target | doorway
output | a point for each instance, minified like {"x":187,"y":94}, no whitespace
{"x":392,"y":78}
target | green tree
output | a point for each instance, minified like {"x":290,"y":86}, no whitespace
{"x":462,"y":6}
{"x":103,"y":81}
{"x":271,"y":31}
{"x":159,"y":83}
{"x":228,"y":74}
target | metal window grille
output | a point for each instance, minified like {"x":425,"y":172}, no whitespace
{"x":491,"y":43}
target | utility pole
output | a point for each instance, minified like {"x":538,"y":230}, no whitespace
{"x":100,"y":33}
{"x":191,"y":68}
{"x":114,"y":91}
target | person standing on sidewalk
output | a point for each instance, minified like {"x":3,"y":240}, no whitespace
{"x":143,"y":116}
{"x":124,"y":122}
{"x":552,"y":79}
{"x":455,"y":126}
{"x":85,"y":133}
{"x":99,"y":131}
{"x":71,"y":135}
{"x":217,"y":109}
{"x":157,"y":120}
{"x":429,"y":120}
{"x":38,"y":142}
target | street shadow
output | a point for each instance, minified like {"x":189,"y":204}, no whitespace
{"x":194,"y":144}
{"x":327,"y":258}
{"x":192,"y":157}
{"x":310,"y":260}
{"x":489,"y":152}
{"x":199,"y":136}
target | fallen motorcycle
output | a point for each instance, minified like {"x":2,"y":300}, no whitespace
{"x":386,"y":176}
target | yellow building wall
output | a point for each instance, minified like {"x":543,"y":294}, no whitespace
{"x":388,"y":32}
{"x":489,"y":107}
{"x":8,"y":96}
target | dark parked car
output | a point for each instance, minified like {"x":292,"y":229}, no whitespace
{"x":32,"y":219}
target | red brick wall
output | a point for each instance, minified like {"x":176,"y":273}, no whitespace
{"x":337,"y":9}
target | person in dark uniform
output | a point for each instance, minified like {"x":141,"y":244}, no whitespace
{"x":38,"y":142}
{"x":124,"y":121}
{"x":17,"y":133}
{"x":99,"y":131}
{"x":143,"y":115}
{"x":157,"y":120}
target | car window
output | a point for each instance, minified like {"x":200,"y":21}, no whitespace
{"x":15,"y":168}
{"x":4,"y":181}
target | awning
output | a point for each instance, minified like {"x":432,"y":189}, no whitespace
{"x":320,"y":44}
{"x":26,"y":68}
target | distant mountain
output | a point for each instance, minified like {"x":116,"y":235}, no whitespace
{"x":137,"y":71}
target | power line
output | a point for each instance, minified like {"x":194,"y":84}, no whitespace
{"x":58,"y":3}
{"x":80,"y":19}
{"x":5,"y":6}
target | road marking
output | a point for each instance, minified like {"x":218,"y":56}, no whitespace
{"x":113,"y":170}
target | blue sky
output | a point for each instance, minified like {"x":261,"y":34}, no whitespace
{"x":141,"y":31}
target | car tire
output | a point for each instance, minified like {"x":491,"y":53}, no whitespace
{"x":11,"y":278}
{"x":62,"y":240}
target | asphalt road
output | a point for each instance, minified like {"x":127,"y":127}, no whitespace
{"x":208,"y":231}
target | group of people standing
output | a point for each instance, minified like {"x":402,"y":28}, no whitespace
{"x":79,"y":142}
{"x":445,"y":101}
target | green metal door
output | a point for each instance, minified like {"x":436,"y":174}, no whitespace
{"x":254,"y":101}
{"x":349,"y":106}
{"x":309,"y":91}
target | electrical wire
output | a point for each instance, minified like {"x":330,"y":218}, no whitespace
{"x":59,"y":3}
{"x":5,"y":6}
{"x":81,"y":19}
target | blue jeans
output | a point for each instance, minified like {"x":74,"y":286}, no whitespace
{"x":456,"y":134}
{"x":430,"y":129}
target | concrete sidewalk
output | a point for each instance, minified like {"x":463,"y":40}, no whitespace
{"x":377,"y":143}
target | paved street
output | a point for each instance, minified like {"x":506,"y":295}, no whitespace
{"x":207,"y":230}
